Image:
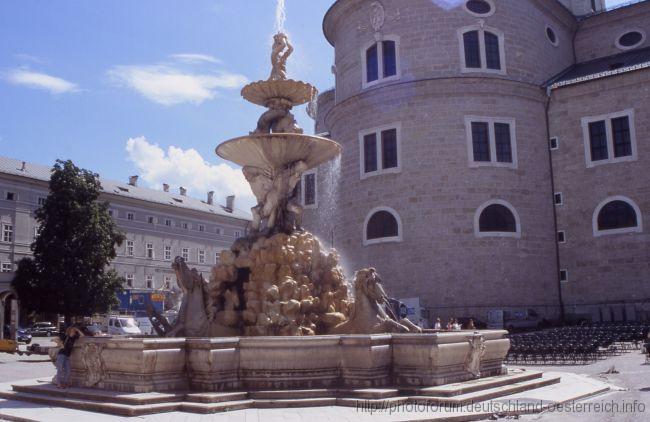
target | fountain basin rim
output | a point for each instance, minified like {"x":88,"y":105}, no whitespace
{"x":273,"y":151}
{"x":297,"y":92}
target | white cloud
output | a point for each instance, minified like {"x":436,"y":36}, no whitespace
{"x":187,"y":168}
{"x":39,"y":80}
{"x":168,"y":85}
{"x":195,"y":58}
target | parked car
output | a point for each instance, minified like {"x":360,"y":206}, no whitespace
{"x":522,"y":320}
{"x":41,"y":329}
{"x":94,"y":329}
{"x":122,"y":325}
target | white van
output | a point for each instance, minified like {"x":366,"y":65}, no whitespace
{"x":145,"y":326}
{"x":122,"y":325}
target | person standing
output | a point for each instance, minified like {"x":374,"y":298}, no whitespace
{"x":67,"y":341}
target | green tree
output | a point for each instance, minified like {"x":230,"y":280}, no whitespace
{"x":68,"y":273}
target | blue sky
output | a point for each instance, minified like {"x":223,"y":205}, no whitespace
{"x":146,"y":87}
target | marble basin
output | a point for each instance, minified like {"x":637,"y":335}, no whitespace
{"x":276,"y":150}
{"x":261,"y":92}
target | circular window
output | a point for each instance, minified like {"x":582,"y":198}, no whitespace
{"x":479,"y":7}
{"x":630,"y":39}
{"x":552,"y":36}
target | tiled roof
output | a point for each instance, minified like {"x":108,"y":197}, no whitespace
{"x":41,"y":172}
{"x":602,"y":68}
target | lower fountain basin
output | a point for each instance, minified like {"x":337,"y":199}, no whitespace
{"x":270,"y":363}
{"x":276,"y":150}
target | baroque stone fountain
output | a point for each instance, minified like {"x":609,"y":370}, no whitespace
{"x":277,"y":314}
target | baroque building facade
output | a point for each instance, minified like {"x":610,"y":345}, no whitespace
{"x":495,"y":154}
{"x":159,"y":225}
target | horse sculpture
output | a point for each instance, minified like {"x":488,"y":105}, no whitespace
{"x":368,"y":315}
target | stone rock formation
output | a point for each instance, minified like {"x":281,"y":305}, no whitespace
{"x":285,"y":284}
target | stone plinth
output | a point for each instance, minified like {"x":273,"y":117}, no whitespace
{"x":285,"y":363}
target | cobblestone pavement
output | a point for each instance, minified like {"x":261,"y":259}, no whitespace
{"x":632,"y":404}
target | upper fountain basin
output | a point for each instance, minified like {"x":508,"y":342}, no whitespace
{"x":275,"y":150}
{"x":261,"y":92}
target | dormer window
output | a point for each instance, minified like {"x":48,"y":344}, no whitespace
{"x":380,"y":61}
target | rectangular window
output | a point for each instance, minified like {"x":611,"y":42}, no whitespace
{"x":389,"y":148}
{"x":201,"y":257}
{"x":129,"y":280}
{"x":621,"y":136}
{"x":185,"y":253}
{"x":7,"y":233}
{"x":491,"y":141}
{"x":598,"y":140}
{"x":217,"y":257}
{"x":151,"y":220}
{"x":492,"y":55}
{"x":41,"y":201}
{"x":389,"y":58}
{"x":370,"y":153}
{"x":185,"y":225}
{"x":10,"y":196}
{"x":168,"y":222}
{"x":149,"y":281}
{"x":218,"y":230}
{"x":168,"y":253}
{"x":309,"y":189}
{"x":37,"y":231}
{"x":503,"y":142}
{"x":472,"y":49}
{"x":564,"y":276}
{"x":481,"y":141}
{"x":554,"y":144}
{"x":201,"y":228}
{"x":7,"y":267}
{"x":557,"y":197}
{"x":609,"y":138}
{"x":149,"y":249}
{"x":130,"y":216}
{"x":237,"y":233}
{"x":380,"y":151}
{"x":168,"y":282}
{"x":561,"y":236}
{"x":372,"y":64}
{"x":130,"y":250}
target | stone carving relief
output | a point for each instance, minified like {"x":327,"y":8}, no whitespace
{"x":92,"y":359}
{"x":378,"y":18}
{"x":476,"y":352}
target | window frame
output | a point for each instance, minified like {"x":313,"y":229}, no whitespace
{"x":166,"y":256}
{"x":380,"y":151}
{"x":566,"y":275}
{"x":130,"y":216}
{"x":380,"y":61}
{"x":481,"y":45}
{"x":129,"y":248}
{"x":130,"y":280}
{"x":10,"y":269}
{"x":477,"y":216}
{"x":169,"y":222}
{"x":555,"y":196}
{"x":148,"y":278}
{"x":185,"y":254}
{"x":617,"y":40}
{"x":585,"y":121}
{"x":481,"y":15}
{"x":10,"y":231}
{"x":303,"y":189}
{"x":148,"y":249}
{"x":639,"y":217}
{"x":491,"y":121}
{"x":398,"y":238}
{"x":563,"y":232}
{"x":200,"y":256}
{"x":237,"y":234}
{"x":557,"y":143}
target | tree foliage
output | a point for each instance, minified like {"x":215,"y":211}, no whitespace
{"x":76,"y":242}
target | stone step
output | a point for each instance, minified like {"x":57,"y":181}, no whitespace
{"x":292,"y":394}
{"x":216,"y":407}
{"x":118,"y":409}
{"x":99,"y":395}
{"x":279,"y":403}
{"x":465,"y":387}
{"x":370,"y":393}
{"x":215,"y":397}
{"x":488,"y":394}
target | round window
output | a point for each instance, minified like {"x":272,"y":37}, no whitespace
{"x":630,"y":39}
{"x":550,"y":34}
{"x":479,"y":7}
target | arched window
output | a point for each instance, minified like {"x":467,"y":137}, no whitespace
{"x":381,"y":61}
{"x":616,"y":214}
{"x":382,"y":225}
{"x":482,"y":49}
{"x":496,"y":218}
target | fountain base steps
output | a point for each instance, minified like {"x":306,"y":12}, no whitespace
{"x":135,"y":404}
